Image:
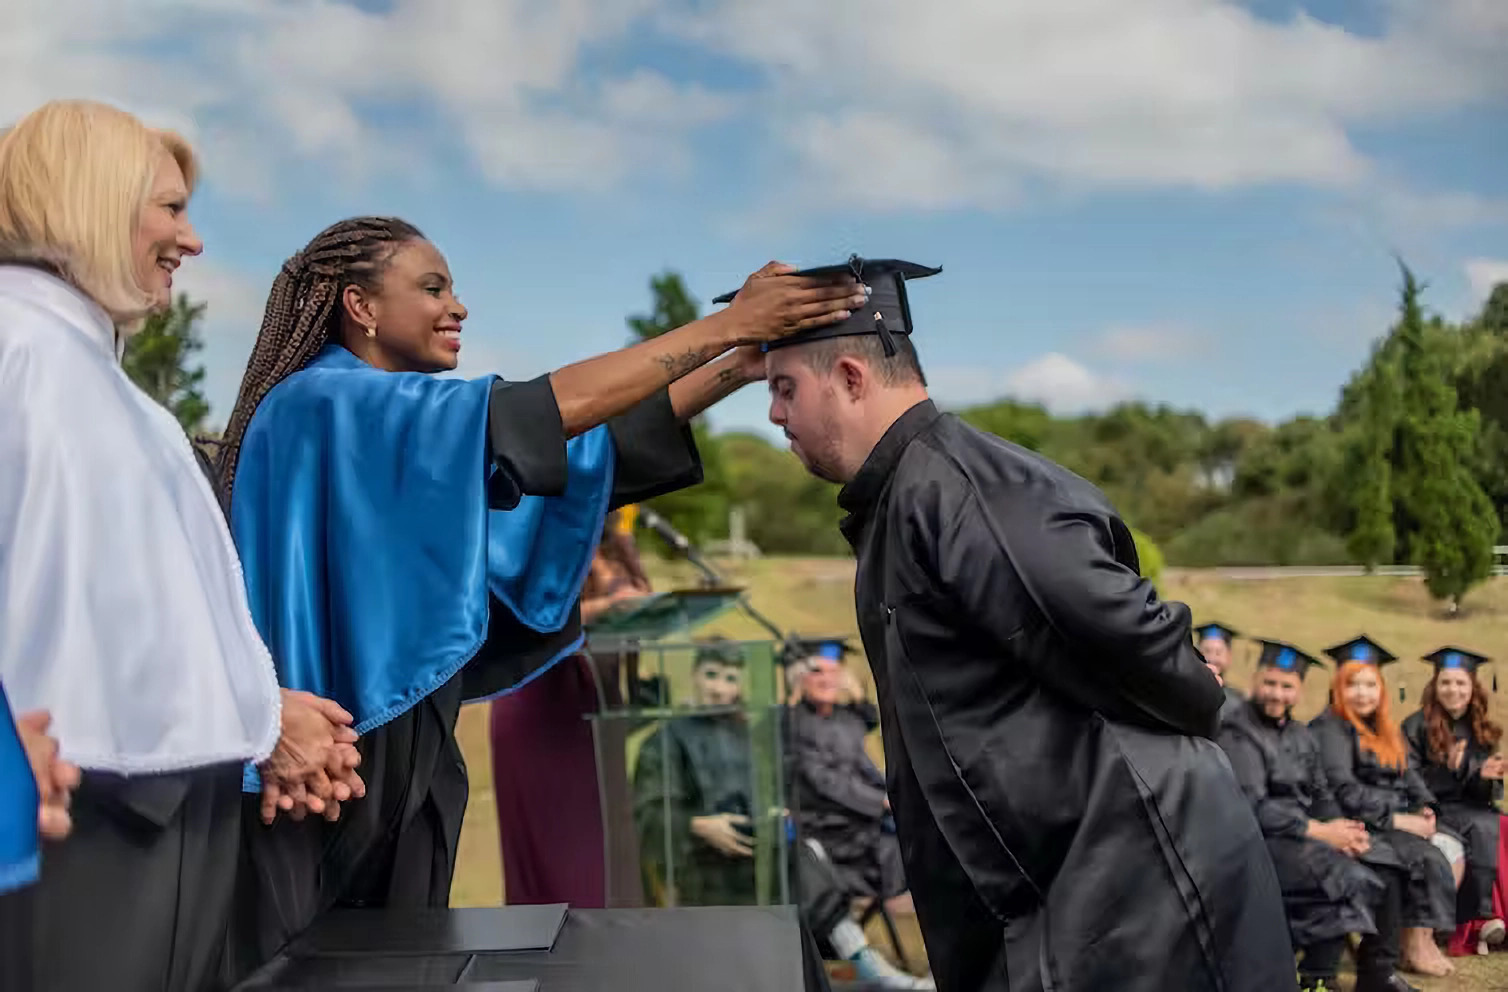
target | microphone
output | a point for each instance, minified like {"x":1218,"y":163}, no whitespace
{"x":662,"y":527}
{"x":710,"y":576}
{"x":681,"y":543}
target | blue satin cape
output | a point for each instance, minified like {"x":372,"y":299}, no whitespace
{"x":361,"y":514}
{"x":19,"y":854}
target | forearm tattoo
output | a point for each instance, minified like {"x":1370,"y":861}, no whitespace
{"x":679,"y":365}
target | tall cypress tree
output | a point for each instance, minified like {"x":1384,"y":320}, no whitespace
{"x":1450,"y":522}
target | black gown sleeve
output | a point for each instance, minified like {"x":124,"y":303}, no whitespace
{"x":1370,"y":804}
{"x":1108,"y":617}
{"x":656,"y":453}
{"x":1324,"y":806}
{"x":527,"y":442}
{"x":1419,"y":794}
{"x":1276,"y":817}
{"x":1475,"y":788}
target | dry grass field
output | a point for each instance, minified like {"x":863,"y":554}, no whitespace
{"x":814,"y":596}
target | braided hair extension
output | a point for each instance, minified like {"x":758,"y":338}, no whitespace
{"x":303,"y":315}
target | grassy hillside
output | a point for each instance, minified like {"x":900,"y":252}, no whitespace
{"x":815,"y":596}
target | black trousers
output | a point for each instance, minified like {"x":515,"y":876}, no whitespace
{"x":1377,"y":957}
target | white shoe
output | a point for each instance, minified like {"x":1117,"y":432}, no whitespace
{"x":873,"y":969}
{"x":1493,"y":932}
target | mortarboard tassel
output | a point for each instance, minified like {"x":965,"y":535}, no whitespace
{"x":887,"y":340}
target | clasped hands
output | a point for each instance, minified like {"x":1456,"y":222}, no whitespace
{"x":313,"y":767}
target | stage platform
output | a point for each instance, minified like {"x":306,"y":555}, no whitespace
{"x":544,"y":949}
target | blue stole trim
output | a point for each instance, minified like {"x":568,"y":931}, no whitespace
{"x":370,"y":552}
{"x":20,"y":853}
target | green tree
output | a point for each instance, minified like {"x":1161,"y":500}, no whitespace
{"x":1451,"y":522}
{"x":674,"y":306}
{"x":160,"y":359}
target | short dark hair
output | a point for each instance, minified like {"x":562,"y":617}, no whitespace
{"x":903,"y":368}
{"x":718,"y":650}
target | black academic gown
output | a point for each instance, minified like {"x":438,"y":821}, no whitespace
{"x":838,"y":795}
{"x":1371,"y":793}
{"x":396,"y":848}
{"x":694,"y":766}
{"x":1467,"y":805}
{"x":1234,"y":700}
{"x":1065,"y":818}
{"x":1327,"y":894}
{"x":137,"y":899}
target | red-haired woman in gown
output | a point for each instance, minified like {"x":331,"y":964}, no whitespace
{"x":1366,"y":762}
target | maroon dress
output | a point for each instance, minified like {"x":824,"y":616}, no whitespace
{"x":545,"y":783}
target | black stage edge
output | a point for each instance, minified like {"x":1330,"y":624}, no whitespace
{"x":738,"y":949}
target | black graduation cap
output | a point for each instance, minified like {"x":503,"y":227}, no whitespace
{"x":1452,"y":657}
{"x":834,"y":648}
{"x":885,"y":313}
{"x":1206,"y":631}
{"x":1286,"y":657}
{"x":719,"y":651}
{"x":1361,"y":648}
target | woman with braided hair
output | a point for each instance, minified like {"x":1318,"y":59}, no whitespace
{"x":411,"y":542}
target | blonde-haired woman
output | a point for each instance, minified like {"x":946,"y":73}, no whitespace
{"x":125,"y":615}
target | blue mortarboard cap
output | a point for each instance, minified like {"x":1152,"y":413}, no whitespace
{"x":1453,"y":657}
{"x":1361,"y":648}
{"x":1217,"y":630}
{"x":1284,"y":656}
{"x":887,"y":312}
{"x":832,"y":648}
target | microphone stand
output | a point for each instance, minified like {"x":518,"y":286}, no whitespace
{"x":710,"y":575}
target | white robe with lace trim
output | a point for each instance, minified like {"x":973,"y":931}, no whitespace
{"x":122,"y":606}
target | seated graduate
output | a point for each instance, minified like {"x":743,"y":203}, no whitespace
{"x":1328,"y":891}
{"x":694,"y":787}
{"x":836,"y":793}
{"x":1214,"y":642}
{"x":1453,"y":745}
{"x":1367,"y":764}
{"x":693,"y":784}
{"x":124,"y":612}
{"x":412,"y":541}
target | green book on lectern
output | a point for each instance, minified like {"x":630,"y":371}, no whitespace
{"x":660,"y":615}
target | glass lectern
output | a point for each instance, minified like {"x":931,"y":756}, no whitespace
{"x":689,"y":756}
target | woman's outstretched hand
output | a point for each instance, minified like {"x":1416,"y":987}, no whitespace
{"x":774,"y":303}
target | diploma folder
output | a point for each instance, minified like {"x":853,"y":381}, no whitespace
{"x":489,"y":930}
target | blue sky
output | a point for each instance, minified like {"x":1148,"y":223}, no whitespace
{"x":1187,"y":201}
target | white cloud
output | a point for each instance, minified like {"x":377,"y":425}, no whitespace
{"x":967,"y":100}
{"x":1148,"y":343}
{"x":263,"y":84}
{"x":1058,"y":382}
{"x":1485,"y":273}
{"x":870,"y":104}
{"x":1064,"y":385}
